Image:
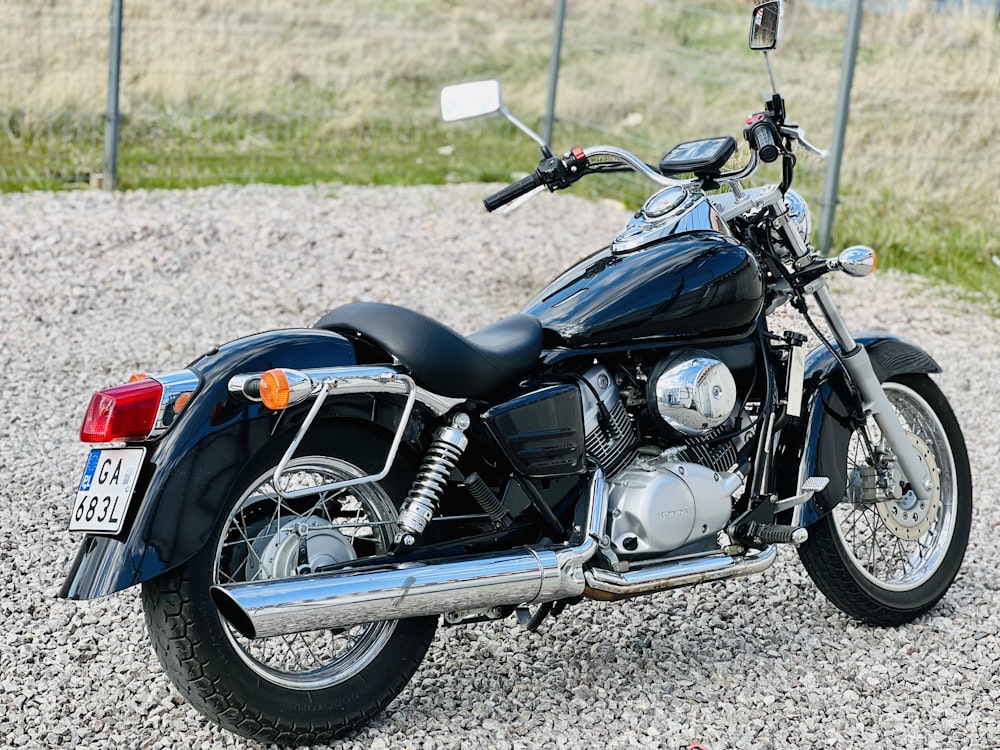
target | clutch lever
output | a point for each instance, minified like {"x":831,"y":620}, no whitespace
{"x":792,"y":130}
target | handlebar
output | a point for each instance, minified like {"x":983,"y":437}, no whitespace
{"x":557,"y":173}
{"x":512,"y":192}
{"x":762,"y":141}
{"x":553,"y":172}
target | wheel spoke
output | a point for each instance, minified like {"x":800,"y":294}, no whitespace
{"x":341,"y":525}
{"x":885,"y":546}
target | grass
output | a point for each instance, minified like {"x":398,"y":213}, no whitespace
{"x":301,"y":91}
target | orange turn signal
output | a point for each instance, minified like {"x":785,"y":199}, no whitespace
{"x":181,"y":401}
{"x":274,"y":389}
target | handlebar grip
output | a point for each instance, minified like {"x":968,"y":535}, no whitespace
{"x":516,"y":190}
{"x":762,"y":139}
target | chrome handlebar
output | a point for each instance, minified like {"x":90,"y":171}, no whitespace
{"x":614,"y":154}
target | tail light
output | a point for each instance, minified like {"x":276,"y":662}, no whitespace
{"x":125,"y":412}
{"x":141,"y":409}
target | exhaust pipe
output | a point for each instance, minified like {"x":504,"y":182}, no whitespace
{"x":259,"y":609}
{"x":607,"y":585}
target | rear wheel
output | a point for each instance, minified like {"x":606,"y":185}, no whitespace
{"x":882,"y":555}
{"x":301,"y":688}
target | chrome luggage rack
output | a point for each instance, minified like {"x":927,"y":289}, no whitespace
{"x":344,"y":381}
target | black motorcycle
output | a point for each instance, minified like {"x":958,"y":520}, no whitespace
{"x":303,"y":506}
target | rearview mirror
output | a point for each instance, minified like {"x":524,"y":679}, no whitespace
{"x":466,"y":100}
{"x":764,"y":25}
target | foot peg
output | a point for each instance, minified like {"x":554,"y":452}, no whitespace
{"x":773,"y":534}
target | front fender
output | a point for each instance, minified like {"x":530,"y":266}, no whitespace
{"x":817,"y":444}
{"x":189,"y":473}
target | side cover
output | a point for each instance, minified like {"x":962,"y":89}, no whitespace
{"x":817,"y":444}
{"x":189,"y":473}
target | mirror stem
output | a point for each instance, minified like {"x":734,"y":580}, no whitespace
{"x":770,"y":73}
{"x":527,"y":131}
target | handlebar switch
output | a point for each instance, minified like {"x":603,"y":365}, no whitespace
{"x":557,"y":174}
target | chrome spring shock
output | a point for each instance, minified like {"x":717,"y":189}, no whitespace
{"x":422,"y":500}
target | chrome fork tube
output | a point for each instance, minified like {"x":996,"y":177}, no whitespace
{"x":859,"y":367}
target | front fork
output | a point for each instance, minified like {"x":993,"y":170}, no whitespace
{"x":859,"y":368}
{"x":873,"y":398}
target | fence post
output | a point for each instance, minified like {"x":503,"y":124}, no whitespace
{"x":111,"y":115}
{"x":557,"y":37}
{"x":831,"y":185}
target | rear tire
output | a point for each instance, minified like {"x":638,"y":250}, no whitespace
{"x":304,"y":688}
{"x":889,"y":560}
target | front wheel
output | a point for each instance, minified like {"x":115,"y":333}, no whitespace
{"x":293,"y":689}
{"x":882,"y":556}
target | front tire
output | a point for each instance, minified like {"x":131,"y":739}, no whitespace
{"x":887,"y":559}
{"x":308,"y":687}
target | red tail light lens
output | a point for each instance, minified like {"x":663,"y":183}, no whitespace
{"x":125,"y":412}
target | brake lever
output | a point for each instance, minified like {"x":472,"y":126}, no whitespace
{"x":794,"y":131}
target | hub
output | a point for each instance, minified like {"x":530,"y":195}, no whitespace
{"x":277,"y":551}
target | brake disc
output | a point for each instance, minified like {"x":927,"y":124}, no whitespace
{"x":907,"y":516}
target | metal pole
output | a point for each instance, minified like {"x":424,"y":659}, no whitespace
{"x":831,"y":185}
{"x":111,"y":115}
{"x":557,"y":37}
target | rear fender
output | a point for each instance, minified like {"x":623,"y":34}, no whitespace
{"x":189,"y":474}
{"x":817,"y":444}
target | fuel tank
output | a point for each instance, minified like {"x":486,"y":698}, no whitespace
{"x":677,"y":286}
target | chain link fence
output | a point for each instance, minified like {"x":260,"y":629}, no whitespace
{"x":305,"y":90}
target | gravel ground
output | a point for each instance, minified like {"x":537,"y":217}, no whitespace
{"x":95,"y":287}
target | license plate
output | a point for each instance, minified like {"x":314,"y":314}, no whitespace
{"x":105,"y":490}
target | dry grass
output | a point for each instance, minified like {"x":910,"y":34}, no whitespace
{"x":923,"y":142}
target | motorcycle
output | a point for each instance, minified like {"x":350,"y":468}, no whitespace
{"x":302,"y":507}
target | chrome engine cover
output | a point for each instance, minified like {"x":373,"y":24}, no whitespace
{"x":659,"y":505}
{"x":693,"y":392}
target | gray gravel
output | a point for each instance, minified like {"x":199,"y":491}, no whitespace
{"x":95,"y":287}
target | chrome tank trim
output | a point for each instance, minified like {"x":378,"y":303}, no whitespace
{"x":608,"y":586}
{"x":341,"y":599}
{"x":671,"y":211}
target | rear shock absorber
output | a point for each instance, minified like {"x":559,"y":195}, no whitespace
{"x":424,"y":496}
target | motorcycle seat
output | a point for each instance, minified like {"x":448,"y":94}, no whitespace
{"x":438,"y":357}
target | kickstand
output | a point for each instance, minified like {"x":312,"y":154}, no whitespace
{"x":530,"y":617}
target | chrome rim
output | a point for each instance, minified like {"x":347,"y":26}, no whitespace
{"x":895,"y":541}
{"x":266,"y":537}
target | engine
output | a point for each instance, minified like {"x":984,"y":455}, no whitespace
{"x":681,"y":495}
{"x":670,"y":493}
{"x":659,"y":505}
{"x":611,"y":438}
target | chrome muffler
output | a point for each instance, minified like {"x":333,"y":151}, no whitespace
{"x":259,"y":609}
